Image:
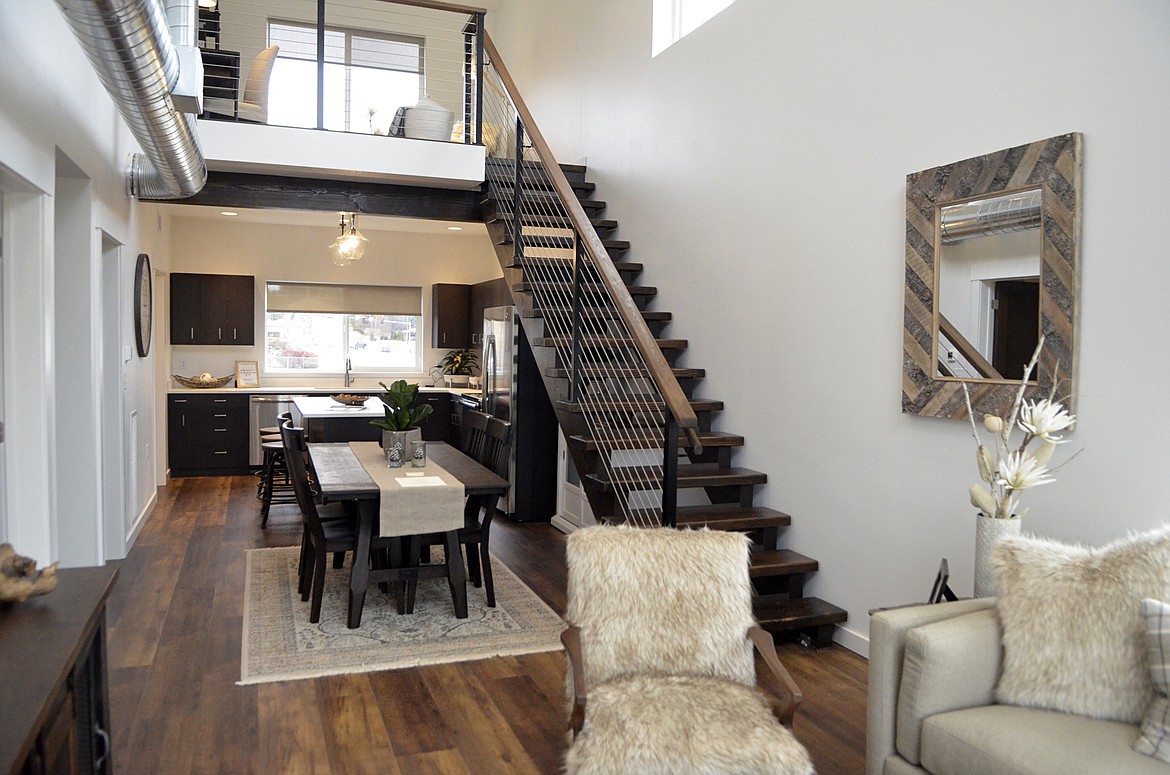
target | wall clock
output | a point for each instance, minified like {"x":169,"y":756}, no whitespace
{"x":143,"y":304}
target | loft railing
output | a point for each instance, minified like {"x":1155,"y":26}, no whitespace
{"x":618,"y":377}
{"x":341,"y":65}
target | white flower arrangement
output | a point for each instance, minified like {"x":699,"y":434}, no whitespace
{"x":1012,"y":469}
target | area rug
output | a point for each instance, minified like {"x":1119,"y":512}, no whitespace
{"x":279,"y":643}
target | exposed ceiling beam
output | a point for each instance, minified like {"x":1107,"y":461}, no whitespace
{"x":273,"y":192}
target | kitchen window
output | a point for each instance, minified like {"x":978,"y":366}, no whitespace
{"x":313,"y":327}
{"x":368,"y":76}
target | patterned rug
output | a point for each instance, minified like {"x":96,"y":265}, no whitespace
{"x":279,"y":643}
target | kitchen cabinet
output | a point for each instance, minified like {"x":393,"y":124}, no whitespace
{"x":53,"y":648}
{"x":490,"y":293}
{"x":437,"y":426}
{"x":207,"y":434}
{"x":449,"y":315}
{"x":213,"y":309}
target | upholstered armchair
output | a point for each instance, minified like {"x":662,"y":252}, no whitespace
{"x":252,"y":106}
{"x":662,"y":673}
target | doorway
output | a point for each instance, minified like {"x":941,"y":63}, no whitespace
{"x":1016,"y":326}
{"x":116,"y":516}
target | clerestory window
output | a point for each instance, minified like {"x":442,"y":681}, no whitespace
{"x":675,"y":19}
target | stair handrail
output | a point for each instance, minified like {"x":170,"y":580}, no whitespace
{"x":660,"y":372}
{"x":967,"y":349}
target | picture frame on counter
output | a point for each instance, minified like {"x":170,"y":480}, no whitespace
{"x":247,"y":374}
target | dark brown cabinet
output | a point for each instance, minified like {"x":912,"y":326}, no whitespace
{"x":490,"y":293}
{"x":207,"y":434}
{"x":53,"y":649}
{"x":449,"y":304}
{"x":437,"y":426}
{"x":213,"y":309}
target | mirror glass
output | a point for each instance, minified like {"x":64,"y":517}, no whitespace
{"x":992,"y":260}
{"x":988,"y":286}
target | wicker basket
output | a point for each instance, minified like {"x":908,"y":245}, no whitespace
{"x":194,"y":382}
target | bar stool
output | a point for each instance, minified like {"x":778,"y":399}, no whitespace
{"x":275,"y":485}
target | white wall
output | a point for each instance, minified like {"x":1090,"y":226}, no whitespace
{"x":51,"y":104}
{"x":285,"y":252}
{"x":758,"y":166}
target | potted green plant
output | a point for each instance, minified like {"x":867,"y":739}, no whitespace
{"x":400,"y":425}
{"x":458,"y":366}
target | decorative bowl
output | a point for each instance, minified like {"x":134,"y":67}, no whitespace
{"x":350,"y":399}
{"x":203,"y":381}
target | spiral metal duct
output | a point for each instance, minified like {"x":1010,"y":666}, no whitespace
{"x":132,"y":50}
{"x":998,"y":215}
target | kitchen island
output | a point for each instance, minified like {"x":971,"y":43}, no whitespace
{"x":327,"y":420}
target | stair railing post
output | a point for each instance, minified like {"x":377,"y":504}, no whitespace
{"x":479,"y":17}
{"x":670,"y":472}
{"x":575,"y":366}
{"x":518,"y":193}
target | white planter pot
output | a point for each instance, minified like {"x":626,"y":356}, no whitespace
{"x":428,"y":120}
{"x":457,"y":380}
{"x":988,"y":531}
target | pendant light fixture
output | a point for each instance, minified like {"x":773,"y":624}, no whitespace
{"x":350,"y":245}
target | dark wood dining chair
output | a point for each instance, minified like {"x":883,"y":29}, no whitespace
{"x":329,"y":528}
{"x":478,"y":511}
{"x":475,"y":425}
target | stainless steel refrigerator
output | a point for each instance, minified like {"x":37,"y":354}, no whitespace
{"x":514,"y":391}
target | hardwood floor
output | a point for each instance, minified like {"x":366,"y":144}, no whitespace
{"x":174,"y":657}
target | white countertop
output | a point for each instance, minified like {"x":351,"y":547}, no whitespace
{"x":320,"y":407}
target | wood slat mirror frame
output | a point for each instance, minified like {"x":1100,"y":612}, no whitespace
{"x":1054,"y":165}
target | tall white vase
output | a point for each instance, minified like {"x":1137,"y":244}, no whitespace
{"x":988,"y":531}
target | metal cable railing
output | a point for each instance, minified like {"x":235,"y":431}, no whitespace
{"x":627,"y":394}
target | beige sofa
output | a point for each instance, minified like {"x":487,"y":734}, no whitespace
{"x":932,"y":676}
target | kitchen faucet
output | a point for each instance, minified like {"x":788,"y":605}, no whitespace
{"x":348,"y":379}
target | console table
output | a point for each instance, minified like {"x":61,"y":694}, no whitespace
{"x":53,"y":688}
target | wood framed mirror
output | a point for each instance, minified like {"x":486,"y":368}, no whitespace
{"x":972,"y":310}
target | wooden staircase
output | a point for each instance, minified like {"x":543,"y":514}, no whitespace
{"x":777,"y":574}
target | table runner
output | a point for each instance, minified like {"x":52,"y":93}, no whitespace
{"x":411,"y":510}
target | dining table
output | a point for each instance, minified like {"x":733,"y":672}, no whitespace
{"x":342,"y":476}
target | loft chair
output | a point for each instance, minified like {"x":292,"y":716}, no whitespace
{"x":660,"y":654}
{"x":252,"y":105}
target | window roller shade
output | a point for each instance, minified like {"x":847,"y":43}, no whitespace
{"x":344,"y":299}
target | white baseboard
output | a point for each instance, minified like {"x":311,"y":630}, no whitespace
{"x":140,"y":521}
{"x":855,"y":642}
{"x":563,"y":525}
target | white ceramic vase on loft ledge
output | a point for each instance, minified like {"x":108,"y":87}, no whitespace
{"x":988,"y":531}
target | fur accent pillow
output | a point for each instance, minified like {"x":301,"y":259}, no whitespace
{"x":1073,"y":629}
{"x":1154,"y":739}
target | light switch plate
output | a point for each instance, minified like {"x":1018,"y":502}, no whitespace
{"x":127,"y":353}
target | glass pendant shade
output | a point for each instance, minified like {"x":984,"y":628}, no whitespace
{"x":350,"y":245}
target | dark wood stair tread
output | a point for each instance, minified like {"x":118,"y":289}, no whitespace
{"x":780,"y":562}
{"x":605,"y":341}
{"x":565,"y":265}
{"x":544,"y":199}
{"x":559,"y":243}
{"x":567,"y":288}
{"x":650,"y":316}
{"x":631,"y":440}
{"x":695,"y":475}
{"x":730,"y":516}
{"x":797,"y":613}
{"x":527,"y":164}
{"x":601,"y":372}
{"x":699,"y":405}
{"x":545,"y":221}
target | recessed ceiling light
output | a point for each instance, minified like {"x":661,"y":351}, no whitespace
{"x":228,"y":212}
{"x":454,"y":228}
